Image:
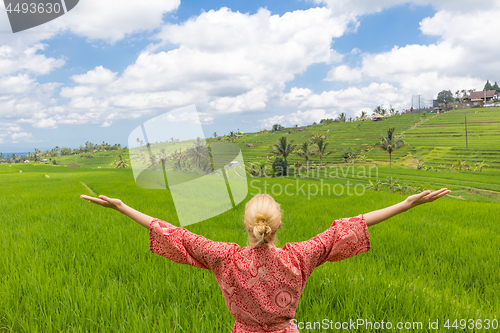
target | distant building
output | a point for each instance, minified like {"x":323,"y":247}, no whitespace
{"x":377,"y":117}
{"x":233,"y":164}
{"x":483,"y":95}
{"x":477,"y":102}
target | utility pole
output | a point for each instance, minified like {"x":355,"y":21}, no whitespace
{"x":466,"y":141}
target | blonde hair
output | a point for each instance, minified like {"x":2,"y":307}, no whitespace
{"x":262,"y":219}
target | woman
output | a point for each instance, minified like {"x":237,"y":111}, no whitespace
{"x":261,"y":283}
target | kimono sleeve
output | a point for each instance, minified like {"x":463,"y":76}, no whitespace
{"x":185,"y":247}
{"x":345,"y":238}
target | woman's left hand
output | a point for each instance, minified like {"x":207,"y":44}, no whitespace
{"x":426,"y":196}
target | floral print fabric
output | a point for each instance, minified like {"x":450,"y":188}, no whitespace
{"x":261,"y":286}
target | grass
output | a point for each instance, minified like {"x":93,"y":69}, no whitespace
{"x":68,"y":266}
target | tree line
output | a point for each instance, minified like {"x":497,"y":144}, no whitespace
{"x":446,"y":96}
{"x":317,"y":146}
{"x":38,"y":155}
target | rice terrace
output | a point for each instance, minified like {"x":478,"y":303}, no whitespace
{"x":68,"y":266}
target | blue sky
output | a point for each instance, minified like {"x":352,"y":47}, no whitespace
{"x":98,"y":73}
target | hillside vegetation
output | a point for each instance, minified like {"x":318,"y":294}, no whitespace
{"x":434,"y":155}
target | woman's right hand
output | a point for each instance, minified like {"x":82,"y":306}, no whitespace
{"x":425,"y":197}
{"x":104,"y":201}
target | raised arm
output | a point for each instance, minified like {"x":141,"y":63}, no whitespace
{"x":410,"y":202}
{"x":118,"y":205}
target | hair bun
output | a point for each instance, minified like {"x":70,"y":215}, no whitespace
{"x":261,"y":231}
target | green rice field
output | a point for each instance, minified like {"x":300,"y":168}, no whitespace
{"x":69,"y":266}
{"x":441,"y":140}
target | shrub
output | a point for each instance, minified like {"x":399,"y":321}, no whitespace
{"x":280,"y":167}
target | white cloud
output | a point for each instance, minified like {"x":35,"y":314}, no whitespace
{"x":14,"y":59}
{"x":20,"y":137}
{"x":20,"y":83}
{"x":78,"y":91}
{"x":255,"y":99}
{"x":297,"y":94}
{"x":363,"y":7}
{"x":13,"y":133}
{"x":344,"y":73}
{"x":98,"y":76}
{"x":147,"y":100}
{"x":112,"y":20}
{"x":402,"y":64}
{"x":300,"y":118}
{"x":226,"y":54}
{"x":46,"y":123}
{"x":225,"y":62}
{"x":230,"y":62}
{"x":351,"y":100}
{"x":464,"y":57}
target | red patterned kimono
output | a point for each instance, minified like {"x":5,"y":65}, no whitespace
{"x":261,"y":286}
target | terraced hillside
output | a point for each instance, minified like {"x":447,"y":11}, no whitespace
{"x":438,"y":140}
{"x":441,"y":140}
{"x":359,"y":135}
{"x":103,"y":159}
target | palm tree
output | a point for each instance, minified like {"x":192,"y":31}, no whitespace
{"x":257,"y":170}
{"x":379,"y":110}
{"x":205,"y":167}
{"x":178,"y":157}
{"x":163,"y":155}
{"x":315,"y":138}
{"x":284,"y":148}
{"x":306,"y":152}
{"x":391,"y":143}
{"x":231,"y":136}
{"x":363,"y":116}
{"x":322,"y":150}
{"x":36,"y":155}
{"x":199,"y":153}
{"x":120,"y":162}
{"x":342,"y":117}
{"x":392,"y":111}
{"x":215,"y":135}
{"x":464,"y":94}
